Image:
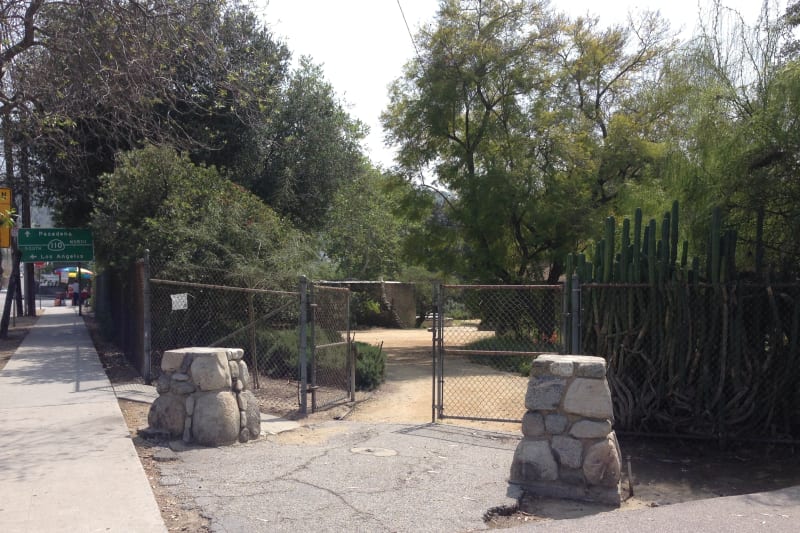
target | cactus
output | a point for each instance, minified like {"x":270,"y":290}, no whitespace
{"x":674,"y":232}
{"x":714,"y":246}
{"x":608,"y":251}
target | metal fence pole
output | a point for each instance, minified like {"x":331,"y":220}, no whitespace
{"x":312,"y":345}
{"x":303,"y":345}
{"x":575,"y":344}
{"x":351,"y":351}
{"x":146,"y":320}
{"x":566,"y":319}
{"x":434,"y":349}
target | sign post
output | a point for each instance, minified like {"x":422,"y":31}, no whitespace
{"x":55,"y":244}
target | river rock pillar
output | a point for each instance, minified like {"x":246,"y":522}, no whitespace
{"x":205,"y":398}
{"x":569,"y":449}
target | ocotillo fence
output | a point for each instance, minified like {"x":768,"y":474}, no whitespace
{"x":713,"y":358}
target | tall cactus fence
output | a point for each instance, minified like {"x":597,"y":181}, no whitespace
{"x":691,"y":351}
{"x":485,"y":340}
{"x":296,"y":342}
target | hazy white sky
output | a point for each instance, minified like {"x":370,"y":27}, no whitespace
{"x":363,"y":44}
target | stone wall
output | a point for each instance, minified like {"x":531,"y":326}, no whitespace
{"x":204,"y":397}
{"x":568,"y":448}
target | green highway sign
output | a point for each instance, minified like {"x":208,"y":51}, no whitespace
{"x":55,"y":244}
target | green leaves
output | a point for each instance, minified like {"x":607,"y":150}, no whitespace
{"x":193,"y":220}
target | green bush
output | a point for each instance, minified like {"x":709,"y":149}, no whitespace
{"x":370,"y":366}
{"x":279,"y":357}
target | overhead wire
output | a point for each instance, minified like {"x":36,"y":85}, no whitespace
{"x":408,"y":29}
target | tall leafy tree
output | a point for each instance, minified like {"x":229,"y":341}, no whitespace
{"x":739,"y":147}
{"x":366,"y":229}
{"x":609,"y":79}
{"x":516,"y":117}
{"x":313,"y":148}
{"x":108,"y":76}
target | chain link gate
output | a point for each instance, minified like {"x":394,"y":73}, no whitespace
{"x":485,"y":338}
{"x":325,"y":330}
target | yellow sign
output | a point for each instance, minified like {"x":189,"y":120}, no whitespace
{"x":5,"y":207}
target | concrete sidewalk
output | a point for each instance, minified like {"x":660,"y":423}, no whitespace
{"x":67,"y":462}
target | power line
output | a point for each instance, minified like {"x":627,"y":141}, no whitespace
{"x":410,"y":35}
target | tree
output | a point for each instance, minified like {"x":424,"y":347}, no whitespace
{"x":196,"y":224}
{"x":518,"y":119}
{"x":609,"y":78}
{"x":314,"y":147}
{"x":364,"y":231}
{"x":202,"y":76}
{"x":738,"y":145}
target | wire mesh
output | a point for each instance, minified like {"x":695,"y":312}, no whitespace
{"x":263,"y":323}
{"x":715,"y":361}
{"x":331,"y":372}
{"x":488,"y":337}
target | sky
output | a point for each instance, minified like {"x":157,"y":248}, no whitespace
{"x":363,"y":44}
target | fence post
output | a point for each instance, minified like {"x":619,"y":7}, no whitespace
{"x":566,"y":318}
{"x":434,"y":348}
{"x":147,"y":318}
{"x":312,"y":344}
{"x":575,"y":343}
{"x":351,"y":351}
{"x":303,"y":346}
{"x":438,"y":351}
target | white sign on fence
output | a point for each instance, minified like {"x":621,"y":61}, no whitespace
{"x":180,"y":302}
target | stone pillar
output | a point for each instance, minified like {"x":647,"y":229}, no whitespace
{"x":568,"y":448}
{"x":205,"y":397}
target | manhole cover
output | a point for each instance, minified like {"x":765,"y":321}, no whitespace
{"x":377,"y":452}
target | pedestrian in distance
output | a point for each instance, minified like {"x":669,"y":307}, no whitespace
{"x":75,"y":289}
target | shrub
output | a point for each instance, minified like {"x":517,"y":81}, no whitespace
{"x":279,"y":357}
{"x":370,"y":366}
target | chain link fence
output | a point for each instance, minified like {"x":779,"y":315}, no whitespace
{"x":485,"y":340}
{"x":717,"y":361}
{"x":263,"y":323}
{"x":291,"y":353}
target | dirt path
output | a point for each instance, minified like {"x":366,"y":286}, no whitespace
{"x":406,"y":396}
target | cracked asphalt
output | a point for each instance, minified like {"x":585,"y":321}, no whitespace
{"x":350,"y":476}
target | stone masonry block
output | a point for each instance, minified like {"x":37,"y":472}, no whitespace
{"x":234,"y":354}
{"x":171,"y":360}
{"x":210,"y":371}
{"x":555,"y":424}
{"x":590,"y":398}
{"x":590,"y":429}
{"x":216,"y":418}
{"x":532,"y":424}
{"x":533,"y":461}
{"x":569,"y":451}
{"x":544,"y":393}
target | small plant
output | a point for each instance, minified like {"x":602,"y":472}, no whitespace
{"x":370,"y":366}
